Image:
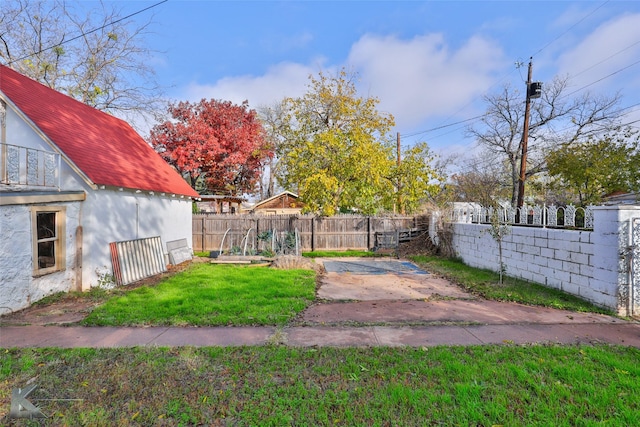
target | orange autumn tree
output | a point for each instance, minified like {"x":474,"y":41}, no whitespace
{"x":218,"y":147}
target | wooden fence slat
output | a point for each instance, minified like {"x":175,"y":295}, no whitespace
{"x":316,"y":233}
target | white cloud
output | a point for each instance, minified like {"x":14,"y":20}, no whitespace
{"x":416,"y":80}
{"x":280,"y":81}
{"x":607,"y":51}
{"x":422,"y":77}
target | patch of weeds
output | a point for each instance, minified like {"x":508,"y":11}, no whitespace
{"x":278,"y":385}
{"x":106,"y":279}
{"x":268,"y":253}
{"x":486,"y":284}
{"x":54,"y":298}
{"x":180,"y":411}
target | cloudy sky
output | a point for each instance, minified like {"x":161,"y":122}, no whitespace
{"x":429,"y":62}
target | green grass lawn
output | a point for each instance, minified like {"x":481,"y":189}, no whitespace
{"x":275,"y":386}
{"x":340,"y":254}
{"x":210,"y":295}
{"x":486,"y":284}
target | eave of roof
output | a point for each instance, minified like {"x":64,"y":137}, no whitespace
{"x":284,"y":193}
{"x":105,"y":148}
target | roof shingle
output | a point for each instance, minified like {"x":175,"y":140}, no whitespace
{"x":105,"y":148}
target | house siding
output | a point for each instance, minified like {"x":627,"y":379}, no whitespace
{"x":18,"y":288}
{"x":283,"y":202}
{"x":105,"y":215}
{"x":115,"y":216}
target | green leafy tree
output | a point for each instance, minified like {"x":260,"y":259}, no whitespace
{"x":336,"y":148}
{"x":597,"y":167}
{"x":416,"y":178}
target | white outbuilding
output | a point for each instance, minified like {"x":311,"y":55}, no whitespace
{"x":74,"y":181}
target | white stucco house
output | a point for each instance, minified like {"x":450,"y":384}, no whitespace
{"x":73,"y":180}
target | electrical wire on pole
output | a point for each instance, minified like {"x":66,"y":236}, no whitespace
{"x":533,"y":91}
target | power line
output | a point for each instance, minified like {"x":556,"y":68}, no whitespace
{"x":536,"y":53}
{"x":442,"y":126}
{"x":87,"y":33}
{"x":570,"y":28}
{"x":601,"y":79}
{"x":607,"y":58}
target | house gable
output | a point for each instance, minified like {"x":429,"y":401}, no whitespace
{"x":105,"y":149}
{"x":285,"y":200}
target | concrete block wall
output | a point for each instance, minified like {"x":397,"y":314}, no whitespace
{"x":583,"y":263}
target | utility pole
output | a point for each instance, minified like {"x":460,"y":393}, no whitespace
{"x":525,"y":133}
{"x":399,"y":185}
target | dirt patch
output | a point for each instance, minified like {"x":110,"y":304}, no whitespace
{"x":73,"y":308}
{"x":64,"y":312}
{"x":364,"y":287}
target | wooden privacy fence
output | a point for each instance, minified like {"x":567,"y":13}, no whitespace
{"x":315,"y":233}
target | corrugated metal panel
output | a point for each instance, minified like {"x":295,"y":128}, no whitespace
{"x":138,"y":259}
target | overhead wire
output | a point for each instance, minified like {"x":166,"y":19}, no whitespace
{"x":593,"y":11}
{"x":559,"y":36}
{"x":601,"y":79}
{"x":87,"y":32}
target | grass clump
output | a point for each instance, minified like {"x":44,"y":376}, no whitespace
{"x":341,"y":254}
{"x":212,"y":295}
{"x":273,"y":385}
{"x":485,"y":283}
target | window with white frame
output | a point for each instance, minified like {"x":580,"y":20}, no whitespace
{"x":48,"y":230}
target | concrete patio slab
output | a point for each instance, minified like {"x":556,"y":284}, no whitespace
{"x":365,"y":279}
{"x":459,"y":311}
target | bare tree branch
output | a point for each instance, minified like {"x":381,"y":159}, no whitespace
{"x":555,"y":120}
{"x":93,"y":55}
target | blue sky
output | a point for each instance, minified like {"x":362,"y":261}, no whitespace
{"x":430,"y":63}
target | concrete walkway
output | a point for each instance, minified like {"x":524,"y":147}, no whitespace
{"x":416,"y":309}
{"x":620,"y":333}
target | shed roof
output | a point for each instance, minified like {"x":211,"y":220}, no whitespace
{"x":272,"y":198}
{"x":106,"y":149}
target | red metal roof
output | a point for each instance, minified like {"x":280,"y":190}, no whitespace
{"x":105,"y":148}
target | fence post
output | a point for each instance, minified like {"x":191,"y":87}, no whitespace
{"x":256,"y":233}
{"x":369,"y":233}
{"x":313,"y":233}
{"x":204,"y":233}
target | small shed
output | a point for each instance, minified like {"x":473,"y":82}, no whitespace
{"x":219,"y":204}
{"x":285,"y":203}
